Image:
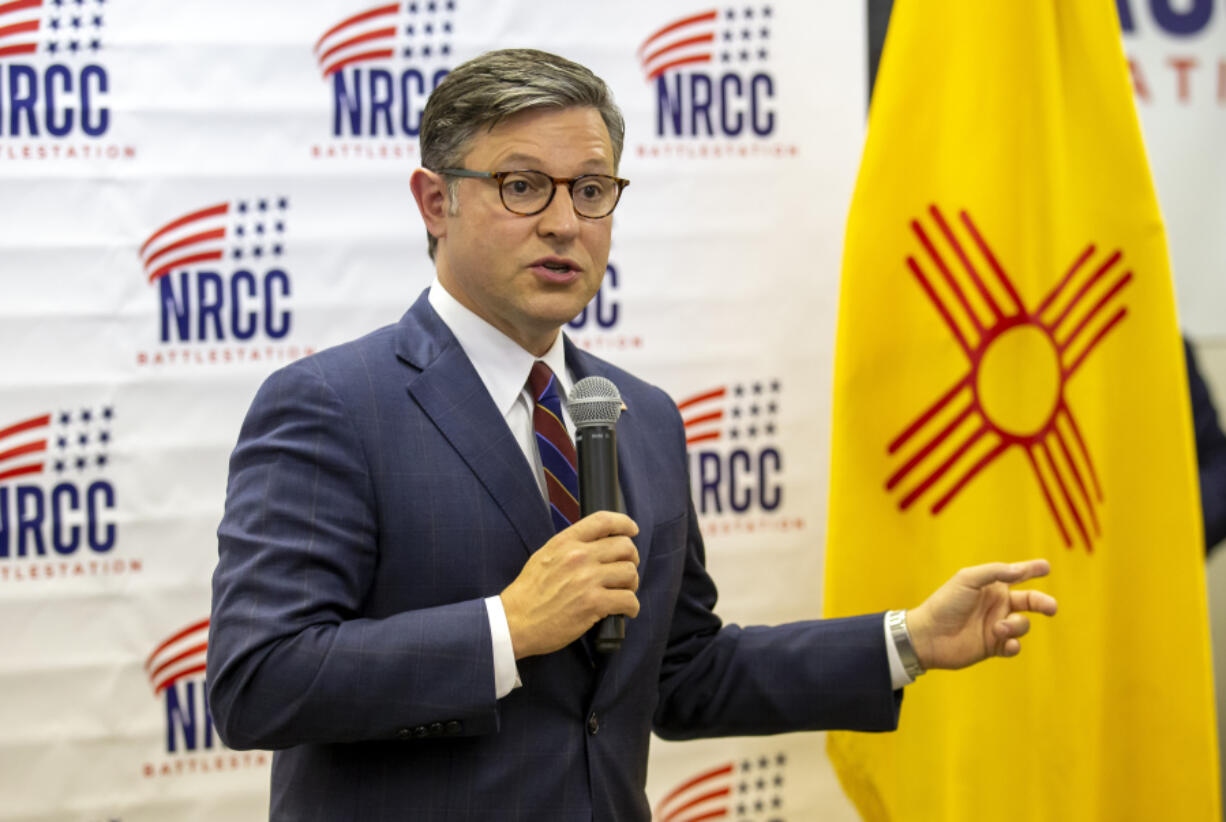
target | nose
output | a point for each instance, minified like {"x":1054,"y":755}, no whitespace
{"x":559,"y":218}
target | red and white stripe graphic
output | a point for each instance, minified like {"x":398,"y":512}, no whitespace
{"x":367,"y":35}
{"x":180,"y":655}
{"x":23,"y":447}
{"x":198,"y":236}
{"x":19,"y":25}
{"x":704,"y":796}
{"x":687,"y":41}
{"x":703,"y":415}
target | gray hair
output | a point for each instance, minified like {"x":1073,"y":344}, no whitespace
{"x":482,"y":92}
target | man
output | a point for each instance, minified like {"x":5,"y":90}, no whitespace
{"x":400,"y":602}
{"x":1210,"y":453}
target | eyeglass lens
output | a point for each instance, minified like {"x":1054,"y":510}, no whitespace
{"x":527,"y":192}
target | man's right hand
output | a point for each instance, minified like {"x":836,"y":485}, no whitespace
{"x":583,"y":574}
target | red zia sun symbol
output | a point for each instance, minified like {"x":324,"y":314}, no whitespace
{"x":1012,"y":395}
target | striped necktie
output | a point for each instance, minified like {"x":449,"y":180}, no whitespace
{"x":555,"y":446}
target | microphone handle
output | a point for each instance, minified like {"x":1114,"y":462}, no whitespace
{"x":596,"y":447}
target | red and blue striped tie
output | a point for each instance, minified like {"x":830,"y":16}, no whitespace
{"x":554,"y":444}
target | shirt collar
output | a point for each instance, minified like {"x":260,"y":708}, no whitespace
{"x":500,"y":362}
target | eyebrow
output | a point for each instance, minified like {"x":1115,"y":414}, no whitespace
{"x":592,"y":166}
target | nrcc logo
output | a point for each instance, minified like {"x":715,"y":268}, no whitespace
{"x":57,"y":504}
{"x":176,"y":672}
{"x":736,"y":467}
{"x":1175,"y":53}
{"x":381,"y":64}
{"x":54,"y":85}
{"x":599,"y":326}
{"x":715,"y":95}
{"x":224,"y":291}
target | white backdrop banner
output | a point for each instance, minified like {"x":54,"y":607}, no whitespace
{"x":196,"y":193}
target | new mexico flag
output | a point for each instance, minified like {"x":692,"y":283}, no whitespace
{"x":1009,"y":383}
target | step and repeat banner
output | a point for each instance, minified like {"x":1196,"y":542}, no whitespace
{"x":194,"y":194}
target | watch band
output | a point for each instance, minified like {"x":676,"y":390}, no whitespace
{"x":896,"y":622}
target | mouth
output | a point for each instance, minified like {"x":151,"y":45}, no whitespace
{"x":556,"y":269}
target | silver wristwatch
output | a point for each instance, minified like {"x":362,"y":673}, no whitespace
{"x":896,"y":622}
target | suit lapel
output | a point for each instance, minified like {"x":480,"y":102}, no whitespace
{"x":449,"y":391}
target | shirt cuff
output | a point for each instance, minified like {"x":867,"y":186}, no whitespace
{"x":506,"y":674}
{"x":898,"y":674}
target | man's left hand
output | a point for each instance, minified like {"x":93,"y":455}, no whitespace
{"x":976,"y":614}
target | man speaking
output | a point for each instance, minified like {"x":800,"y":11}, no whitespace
{"x":405,"y":582}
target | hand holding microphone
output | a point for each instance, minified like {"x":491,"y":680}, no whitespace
{"x":588,"y":571}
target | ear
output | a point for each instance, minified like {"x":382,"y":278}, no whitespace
{"x":430,"y":192}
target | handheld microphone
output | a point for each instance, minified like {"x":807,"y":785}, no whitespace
{"x":594,"y":405}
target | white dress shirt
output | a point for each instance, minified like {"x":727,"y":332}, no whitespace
{"x":503,"y":367}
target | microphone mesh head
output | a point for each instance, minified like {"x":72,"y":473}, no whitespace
{"x":594,"y":401}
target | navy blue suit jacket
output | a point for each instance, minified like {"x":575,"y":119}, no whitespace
{"x":1210,"y":453}
{"x":376,"y":496}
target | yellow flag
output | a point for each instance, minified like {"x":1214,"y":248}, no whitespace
{"x":1009,"y":383}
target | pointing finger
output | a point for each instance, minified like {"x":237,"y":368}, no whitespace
{"x":979,"y":576}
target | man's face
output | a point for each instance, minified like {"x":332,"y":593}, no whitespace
{"x":527,"y":276}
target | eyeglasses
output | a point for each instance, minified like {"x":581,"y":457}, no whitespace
{"x":530,"y":192}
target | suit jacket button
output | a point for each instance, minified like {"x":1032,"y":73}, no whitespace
{"x":593,"y":724}
{"x":420,"y":732}
{"x":436,"y":729}
{"x":404,"y":733}
{"x":453,"y":728}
